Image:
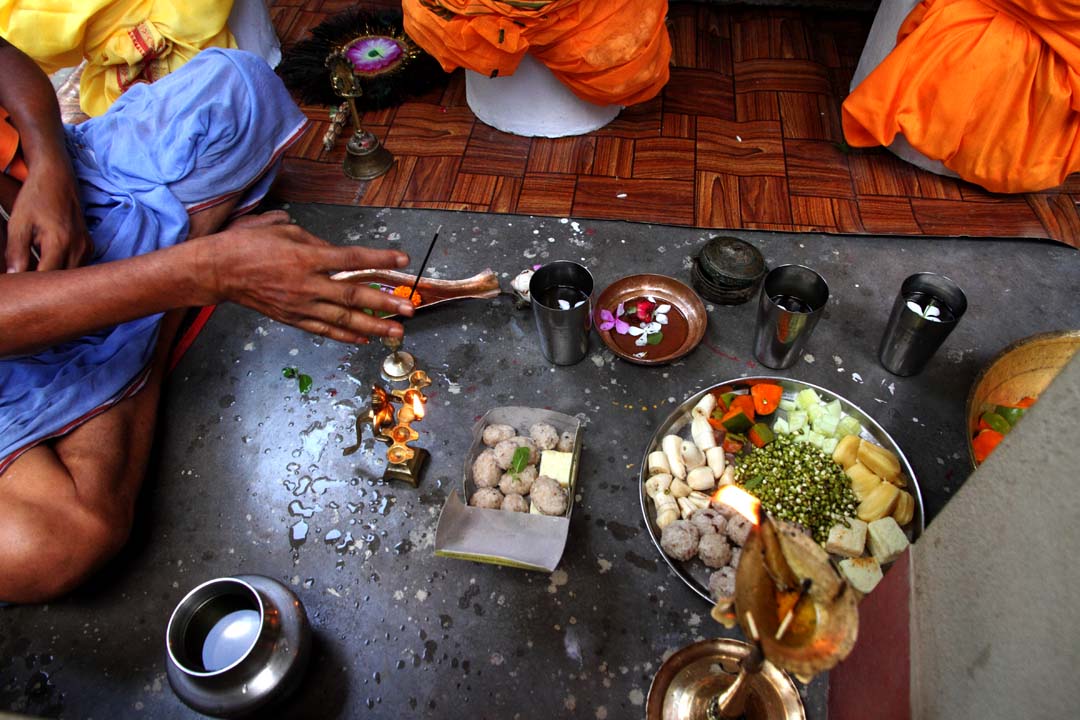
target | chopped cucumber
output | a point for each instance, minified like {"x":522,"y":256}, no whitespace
{"x":788,"y":405}
{"x":814,"y":412}
{"x":834,"y":409}
{"x":807,"y":398}
{"x":780,"y":426}
{"x":813,"y":438}
{"x":848,"y":426}
{"x":826,"y":424}
{"x":828,"y":445}
{"x":797,"y":420}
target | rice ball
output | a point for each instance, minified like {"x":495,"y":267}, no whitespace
{"x":485,"y":470}
{"x":488,"y":497}
{"x":504,"y":451}
{"x":520,"y":483}
{"x":495,"y":434}
{"x":680,"y":540}
{"x":708,"y":521}
{"x":549,"y":496}
{"x":714,"y":550}
{"x":545,"y":436}
{"x":515,"y":503}
{"x":738,"y":529}
{"x":722,"y":583}
{"x":566,"y":442}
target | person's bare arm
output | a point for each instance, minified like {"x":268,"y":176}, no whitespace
{"x":46,"y":213}
{"x":280,"y":270}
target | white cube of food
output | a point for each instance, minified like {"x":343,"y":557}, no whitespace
{"x":533,"y":510}
{"x":557,"y":465}
{"x":863,"y":573}
{"x":847,"y":541}
{"x":886,"y":540}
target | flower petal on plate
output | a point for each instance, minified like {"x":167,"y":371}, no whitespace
{"x":635,"y":331}
{"x":663,"y":309}
{"x":621,"y":326}
{"x":642,"y":341}
{"x":661,"y":319}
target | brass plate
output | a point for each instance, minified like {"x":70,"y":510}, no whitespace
{"x":666,"y":290}
{"x":1024,"y":368}
{"x":693,"y":572}
{"x":686,"y":683}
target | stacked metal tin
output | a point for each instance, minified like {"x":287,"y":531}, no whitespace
{"x":728,"y":270}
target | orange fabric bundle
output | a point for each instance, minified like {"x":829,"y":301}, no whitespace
{"x":609,"y":52}
{"x":989,"y":87}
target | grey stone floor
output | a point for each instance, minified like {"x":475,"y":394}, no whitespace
{"x":243,"y":457}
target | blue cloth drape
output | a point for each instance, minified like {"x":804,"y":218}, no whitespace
{"x":214,"y":129}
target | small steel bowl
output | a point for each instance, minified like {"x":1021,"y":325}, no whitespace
{"x":249,"y":675}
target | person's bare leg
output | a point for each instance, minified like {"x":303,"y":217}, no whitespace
{"x":66,"y":506}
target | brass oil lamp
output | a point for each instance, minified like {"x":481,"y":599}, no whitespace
{"x":393,"y":426}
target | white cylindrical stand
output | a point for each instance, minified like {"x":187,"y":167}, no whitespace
{"x":534,"y":103}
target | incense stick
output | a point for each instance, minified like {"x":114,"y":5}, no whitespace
{"x":806,"y":583}
{"x":423,"y":265}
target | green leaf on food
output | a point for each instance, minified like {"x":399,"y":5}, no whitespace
{"x":288,"y":372}
{"x":520,"y":460}
{"x":304,"y":381}
{"x":656,"y":338}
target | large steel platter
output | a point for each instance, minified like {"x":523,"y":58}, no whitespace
{"x":693,"y":572}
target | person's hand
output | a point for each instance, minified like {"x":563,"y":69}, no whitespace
{"x":283,"y":272}
{"x":48,"y":218}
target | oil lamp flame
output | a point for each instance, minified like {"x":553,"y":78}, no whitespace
{"x":417,"y":404}
{"x":741,"y":501}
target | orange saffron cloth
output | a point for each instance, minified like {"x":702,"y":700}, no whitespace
{"x":989,"y":87}
{"x":609,"y":52}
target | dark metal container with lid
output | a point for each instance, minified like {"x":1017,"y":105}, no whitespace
{"x":728,"y":270}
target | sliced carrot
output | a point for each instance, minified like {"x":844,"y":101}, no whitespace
{"x":984,"y":443}
{"x":983,"y":425}
{"x":745,"y":403}
{"x":1025,"y":402}
{"x":715,"y":423}
{"x":766,"y":397}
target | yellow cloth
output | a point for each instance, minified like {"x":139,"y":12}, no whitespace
{"x":609,"y":52}
{"x":122,"y":41}
{"x":989,"y":87}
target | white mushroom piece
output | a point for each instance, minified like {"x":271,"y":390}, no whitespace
{"x":658,"y":464}
{"x":716,"y":459}
{"x":701,"y":478}
{"x":659,"y":483}
{"x":692,"y":456}
{"x":679,"y":489}
{"x":705,"y":406}
{"x":703,"y":435}
{"x":672,"y":447}
{"x":667,"y":510}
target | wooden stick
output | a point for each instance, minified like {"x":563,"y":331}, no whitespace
{"x":791,"y":613}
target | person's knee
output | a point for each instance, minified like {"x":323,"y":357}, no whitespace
{"x":56,"y":557}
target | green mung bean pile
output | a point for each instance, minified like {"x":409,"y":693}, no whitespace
{"x":798,"y":482}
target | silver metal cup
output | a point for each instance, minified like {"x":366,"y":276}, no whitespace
{"x":791,"y":302}
{"x":561,"y":298}
{"x":911,"y":338}
{"x":236,"y":646}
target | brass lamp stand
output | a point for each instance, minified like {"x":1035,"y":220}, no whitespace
{"x":365,"y":156}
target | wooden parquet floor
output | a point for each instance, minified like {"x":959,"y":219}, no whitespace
{"x":745,"y":135}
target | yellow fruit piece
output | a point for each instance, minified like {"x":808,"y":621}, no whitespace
{"x":905,"y":508}
{"x":881,"y":462}
{"x":846,"y":453}
{"x":879,"y":503}
{"x":863,"y":481}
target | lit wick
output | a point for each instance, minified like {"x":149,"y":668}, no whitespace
{"x":806,"y":583}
